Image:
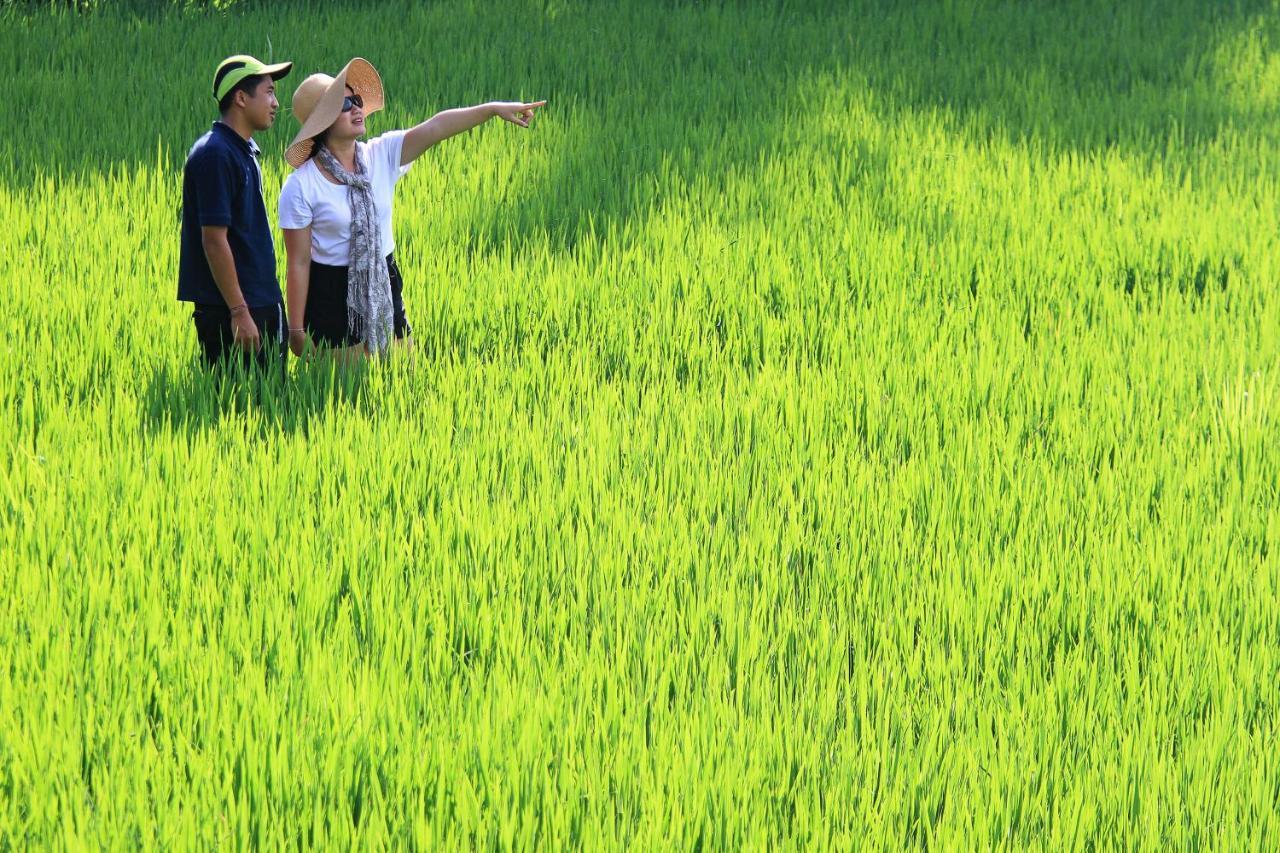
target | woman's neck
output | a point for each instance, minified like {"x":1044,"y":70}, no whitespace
{"x":344,"y":150}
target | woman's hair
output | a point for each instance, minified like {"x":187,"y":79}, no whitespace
{"x":316,"y":142}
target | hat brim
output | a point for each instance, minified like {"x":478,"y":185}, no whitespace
{"x":275,"y":72}
{"x":363,"y":79}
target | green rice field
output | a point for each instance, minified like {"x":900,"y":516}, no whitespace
{"x":846,"y":425}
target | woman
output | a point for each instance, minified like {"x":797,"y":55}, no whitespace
{"x":343,"y":286}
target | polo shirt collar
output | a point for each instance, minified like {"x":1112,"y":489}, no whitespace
{"x":247,"y":144}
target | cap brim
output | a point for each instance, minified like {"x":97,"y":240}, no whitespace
{"x":275,"y":72}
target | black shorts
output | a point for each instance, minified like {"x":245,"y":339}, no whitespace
{"x":326,"y":312}
{"x":218,"y":347}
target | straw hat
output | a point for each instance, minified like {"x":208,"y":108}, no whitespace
{"x":317,"y":103}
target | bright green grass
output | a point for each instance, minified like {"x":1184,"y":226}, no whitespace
{"x":849,"y":427}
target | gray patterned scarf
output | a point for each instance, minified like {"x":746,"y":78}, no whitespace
{"x":369,"y":313}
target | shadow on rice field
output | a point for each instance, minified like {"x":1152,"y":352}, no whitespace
{"x":701,"y":89}
{"x":718,"y":92}
{"x":196,"y":399}
{"x":1079,"y":76}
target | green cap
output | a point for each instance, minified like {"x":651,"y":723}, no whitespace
{"x":233,"y":69}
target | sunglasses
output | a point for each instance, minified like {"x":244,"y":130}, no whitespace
{"x":352,"y":101}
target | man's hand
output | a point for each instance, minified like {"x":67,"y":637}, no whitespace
{"x":517,"y":112}
{"x":244,"y":331}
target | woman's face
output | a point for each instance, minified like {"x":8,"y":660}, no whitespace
{"x":350,"y":122}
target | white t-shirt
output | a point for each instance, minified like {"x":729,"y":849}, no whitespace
{"x":309,"y":198}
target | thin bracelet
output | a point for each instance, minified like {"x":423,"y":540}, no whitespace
{"x":241,"y":307}
{"x":299,"y":329}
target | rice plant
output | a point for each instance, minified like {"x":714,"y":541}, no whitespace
{"x":833,"y":425}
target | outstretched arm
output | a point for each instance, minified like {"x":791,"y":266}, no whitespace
{"x":448,"y":123}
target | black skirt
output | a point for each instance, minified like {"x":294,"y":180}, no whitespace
{"x":326,"y":312}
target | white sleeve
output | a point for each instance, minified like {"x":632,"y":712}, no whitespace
{"x":295,"y":208}
{"x":386,"y":150}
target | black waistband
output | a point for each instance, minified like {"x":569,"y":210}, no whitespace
{"x":221,"y":308}
{"x":390,"y":260}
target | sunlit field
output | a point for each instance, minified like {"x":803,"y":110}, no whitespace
{"x":829,"y":426}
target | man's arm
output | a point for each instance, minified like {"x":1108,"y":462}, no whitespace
{"x":223,"y":266}
{"x":448,"y":123}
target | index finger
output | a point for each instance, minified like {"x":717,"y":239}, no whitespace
{"x":535,"y":104}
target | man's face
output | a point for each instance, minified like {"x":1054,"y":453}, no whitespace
{"x":261,"y":108}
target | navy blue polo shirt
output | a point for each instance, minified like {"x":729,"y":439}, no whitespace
{"x":222,"y":185}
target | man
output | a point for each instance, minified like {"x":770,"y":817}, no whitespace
{"x":227,"y":267}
